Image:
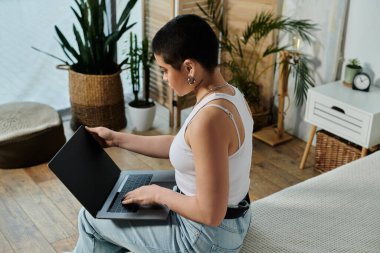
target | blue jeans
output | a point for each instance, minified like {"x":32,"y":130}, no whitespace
{"x":176,"y":234}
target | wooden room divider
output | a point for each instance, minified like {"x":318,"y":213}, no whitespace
{"x":158,"y":12}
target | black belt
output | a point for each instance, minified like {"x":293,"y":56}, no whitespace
{"x":239,"y":210}
{"x":236,"y":211}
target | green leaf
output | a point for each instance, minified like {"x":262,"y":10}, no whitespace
{"x":303,"y":79}
{"x":66,"y":44}
{"x":95,"y":46}
{"x":246,"y":56}
{"x":126,"y":13}
{"x":67,"y":53}
{"x":51,"y":55}
{"x":83,"y":51}
{"x":272,"y":49}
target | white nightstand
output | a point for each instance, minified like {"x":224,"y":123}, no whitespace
{"x":350,"y":114}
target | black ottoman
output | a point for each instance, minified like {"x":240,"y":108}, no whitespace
{"x":30,"y":134}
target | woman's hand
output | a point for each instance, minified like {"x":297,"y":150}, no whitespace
{"x":144,"y":195}
{"x":104,"y":136}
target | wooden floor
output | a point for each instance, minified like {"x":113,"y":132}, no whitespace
{"x":38,"y":214}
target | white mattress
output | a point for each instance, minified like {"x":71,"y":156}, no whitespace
{"x":338,"y":211}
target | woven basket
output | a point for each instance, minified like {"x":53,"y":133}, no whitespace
{"x":332,"y":151}
{"x":260,"y":119}
{"x":96,"y":100}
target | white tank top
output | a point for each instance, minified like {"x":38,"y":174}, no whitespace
{"x":181,"y":156}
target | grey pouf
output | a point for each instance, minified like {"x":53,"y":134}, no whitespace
{"x":30,"y":134}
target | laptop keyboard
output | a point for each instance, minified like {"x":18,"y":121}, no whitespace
{"x":133,"y":182}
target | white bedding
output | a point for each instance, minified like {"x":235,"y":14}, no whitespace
{"x":338,"y":211}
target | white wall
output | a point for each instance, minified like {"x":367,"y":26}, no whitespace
{"x":123,"y":43}
{"x":329,"y":15}
{"x":362,"y":40}
{"x":363,"y":36}
{"x":27,"y":75}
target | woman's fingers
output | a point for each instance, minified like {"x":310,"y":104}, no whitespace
{"x":127,"y":201}
{"x":142,"y":196}
{"x":96,"y":132}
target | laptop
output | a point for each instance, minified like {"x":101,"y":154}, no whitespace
{"x":98,"y":183}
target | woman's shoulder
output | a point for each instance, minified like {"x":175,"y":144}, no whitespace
{"x":206,"y":129}
{"x":210,"y":118}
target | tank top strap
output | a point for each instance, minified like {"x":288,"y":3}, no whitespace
{"x":234,"y":99}
{"x":230,"y":115}
{"x":205,"y":103}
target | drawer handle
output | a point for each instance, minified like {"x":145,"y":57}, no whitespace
{"x":336,"y":108}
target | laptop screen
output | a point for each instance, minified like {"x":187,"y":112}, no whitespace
{"x":86,"y":170}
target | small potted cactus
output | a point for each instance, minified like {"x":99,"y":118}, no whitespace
{"x":141,"y":110}
{"x":351,"y":69}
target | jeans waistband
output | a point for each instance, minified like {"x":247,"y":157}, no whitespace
{"x":232,"y":212}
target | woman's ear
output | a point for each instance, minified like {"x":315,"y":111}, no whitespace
{"x":189,"y":65}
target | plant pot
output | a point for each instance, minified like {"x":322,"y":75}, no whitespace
{"x":142,"y":118}
{"x":349,"y":73}
{"x":96,"y":100}
{"x":260,"y":120}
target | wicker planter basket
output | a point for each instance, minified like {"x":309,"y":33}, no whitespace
{"x":260,"y":120}
{"x":332,"y":151}
{"x":96,"y":100}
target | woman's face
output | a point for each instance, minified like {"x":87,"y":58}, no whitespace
{"x":176,"y":79}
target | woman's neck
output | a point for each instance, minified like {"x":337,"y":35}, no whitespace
{"x":210,"y":83}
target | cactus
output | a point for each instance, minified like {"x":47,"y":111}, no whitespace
{"x":139,"y":56}
{"x":354,"y":63}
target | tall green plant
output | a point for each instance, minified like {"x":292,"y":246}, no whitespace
{"x":134,"y":61}
{"x":246,"y":52}
{"x":94,"y":52}
{"x":147,"y":58}
{"x":140,"y":56}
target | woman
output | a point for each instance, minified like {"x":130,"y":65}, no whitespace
{"x":211,"y":155}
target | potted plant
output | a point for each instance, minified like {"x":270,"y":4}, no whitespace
{"x":245,"y":54}
{"x":141,"y":111}
{"x":351,"y":69}
{"x":96,"y":93}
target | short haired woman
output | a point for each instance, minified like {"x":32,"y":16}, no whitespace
{"x":211,"y":155}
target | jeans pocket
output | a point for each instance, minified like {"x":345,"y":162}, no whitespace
{"x":191,"y":230}
{"x":232,"y":225}
{"x":216,"y":248}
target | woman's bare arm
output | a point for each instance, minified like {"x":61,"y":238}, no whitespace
{"x":209,"y":143}
{"x":153,"y":146}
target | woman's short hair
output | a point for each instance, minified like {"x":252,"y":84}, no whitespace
{"x":187,"y":37}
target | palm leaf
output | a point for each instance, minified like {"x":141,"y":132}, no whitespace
{"x":246,"y":55}
{"x":272,"y":49}
{"x":215,"y":15}
{"x":303,"y":79}
{"x":259,"y":27}
{"x":304,"y":28}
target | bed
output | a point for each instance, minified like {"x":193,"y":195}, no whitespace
{"x":338,"y":211}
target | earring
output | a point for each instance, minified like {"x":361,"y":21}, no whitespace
{"x":190,"y":80}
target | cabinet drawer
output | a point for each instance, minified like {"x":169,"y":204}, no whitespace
{"x":338,"y":118}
